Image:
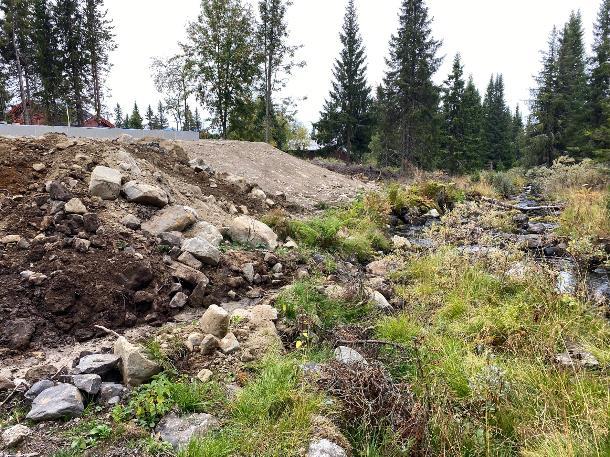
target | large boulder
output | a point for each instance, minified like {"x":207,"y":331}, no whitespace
{"x":170,"y":219}
{"x":178,"y":431}
{"x":61,"y":401}
{"x":202,"y":250}
{"x":136,"y":366}
{"x":244,"y":229}
{"x":207,"y":231}
{"x":138,"y":192}
{"x":105,"y":183}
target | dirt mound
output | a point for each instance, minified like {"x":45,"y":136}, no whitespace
{"x":303,"y":183}
{"x":61,"y":272}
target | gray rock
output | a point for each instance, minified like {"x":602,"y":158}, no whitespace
{"x":198,"y":294}
{"x":172,"y":238}
{"x":109,"y":390}
{"x":82,"y":245}
{"x":189,"y":260}
{"x":229,"y":344}
{"x":244,"y":229}
{"x":63,"y":400}
{"x":575,"y":356}
{"x":33,"y":278}
{"x":202,"y":250}
{"x":277,"y":268}
{"x":566,"y":283}
{"x":248,"y":271}
{"x":100,"y":364}
{"x":131,"y":222}
{"x":37,"y":388}
{"x":88,"y":383}
{"x":209,"y":344}
{"x":178,"y":431}
{"x":14,"y":435}
{"x":169,"y":219}
{"x":188,"y":274}
{"x":325,"y":448}
{"x":205,"y":375}
{"x":57,"y":191}
{"x":75,"y":206}
{"x":8,"y":239}
{"x":178,"y":301}
{"x":207,"y":231}
{"x":145,"y":194}
{"x":105,"y":183}
{"x":348,"y":356}
{"x":193,"y":341}
{"x":136,"y":367}
{"x":380,"y":301}
{"x":215,"y":321}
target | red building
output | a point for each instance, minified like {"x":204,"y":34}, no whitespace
{"x":37,"y":117}
{"x":98,"y":121}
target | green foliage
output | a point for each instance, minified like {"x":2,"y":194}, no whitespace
{"x":271,"y":417}
{"x":346,"y":121}
{"x":89,"y":435}
{"x":303,"y":301}
{"x":479,"y":346}
{"x":424,"y":196}
{"x":150,"y":402}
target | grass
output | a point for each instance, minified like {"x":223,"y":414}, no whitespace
{"x":302,"y":301}
{"x":150,"y":402}
{"x":271,"y":417}
{"x":480,"y":347}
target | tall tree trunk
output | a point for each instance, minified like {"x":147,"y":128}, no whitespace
{"x":24,"y":100}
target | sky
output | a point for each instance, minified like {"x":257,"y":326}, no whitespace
{"x":493,"y":36}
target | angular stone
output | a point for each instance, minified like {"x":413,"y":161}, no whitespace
{"x":207,"y":231}
{"x":209,"y":344}
{"x":248,"y":271}
{"x":136,"y":366}
{"x":244,"y":229}
{"x":37,"y":388}
{"x":110,"y":390}
{"x":131,"y":222}
{"x":61,"y":401}
{"x":100,"y":364}
{"x":172,"y":218}
{"x":325,"y":448}
{"x":14,"y":435}
{"x":88,"y":383}
{"x":178,"y":431}
{"x":172,"y":238}
{"x":193,"y":341}
{"x":229,"y":344}
{"x":57,"y":191}
{"x":215,"y":321}
{"x":178,"y":301}
{"x":145,"y":194}
{"x":198,"y":295}
{"x":105,"y":183}
{"x":205,"y":375}
{"x":8,"y":239}
{"x":75,"y":206}
{"x":82,"y":245}
{"x":348,"y":356}
{"x":261,"y":313}
{"x":189,"y":260}
{"x":91,"y":222}
{"x":188,"y":274}
{"x":380,"y":301}
{"x":202,"y":250}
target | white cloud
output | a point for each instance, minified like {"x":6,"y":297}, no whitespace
{"x":493,"y":36}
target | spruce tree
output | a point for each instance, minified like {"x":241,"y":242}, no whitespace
{"x":126,"y":122}
{"x":72,"y":46}
{"x":162,"y":120}
{"x":497,"y":126}
{"x":99,"y":42}
{"x":518,"y":134}
{"x":151,"y":120}
{"x":346,"y":120}
{"x":572,"y":89}
{"x":543,"y":131}
{"x":600,"y":70}
{"x":452,"y":142}
{"x":473,"y":120}
{"x":410,"y":100}
{"x":197,"y":121}
{"x":136,"y":121}
{"x":118,"y":117}
{"x":47,"y":61}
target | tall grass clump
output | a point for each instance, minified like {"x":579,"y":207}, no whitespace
{"x":272,"y":416}
{"x":480,"y":349}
